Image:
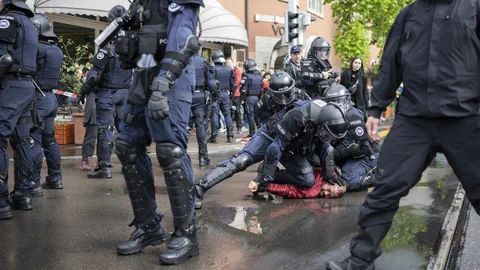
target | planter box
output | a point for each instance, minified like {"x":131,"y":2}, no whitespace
{"x":79,"y":128}
{"x":64,"y":133}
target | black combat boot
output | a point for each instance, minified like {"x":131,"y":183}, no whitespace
{"x":37,"y":191}
{"x":212,"y":139}
{"x":181,"y":246}
{"x":21,"y":201}
{"x":230,"y":139}
{"x":100,"y":173}
{"x":203,"y":161}
{"x":151,"y":234}
{"x":6,"y":212}
{"x":53,"y":183}
{"x":198,"y":199}
{"x":351,"y":263}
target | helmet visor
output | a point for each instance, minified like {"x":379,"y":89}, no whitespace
{"x":322,"y":53}
{"x":343,"y":102}
{"x":284,"y":98}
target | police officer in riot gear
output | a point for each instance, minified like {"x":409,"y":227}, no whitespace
{"x":18,"y":50}
{"x":294,"y":133}
{"x":205,"y":84}
{"x":282,"y":85}
{"x":316,"y":68}
{"x":158,"y":109}
{"x":356,"y":152}
{"x":119,"y":95}
{"x":105,"y":79}
{"x":49,"y":63}
{"x":251,"y":88}
{"x":226,"y":78}
{"x":315,"y":122}
{"x":281,"y":93}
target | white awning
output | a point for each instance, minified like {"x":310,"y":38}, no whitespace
{"x":81,"y":7}
{"x":219,"y":25}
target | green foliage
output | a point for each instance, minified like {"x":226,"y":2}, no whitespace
{"x":351,"y":41}
{"x":74,"y":61}
{"x":356,"y":18}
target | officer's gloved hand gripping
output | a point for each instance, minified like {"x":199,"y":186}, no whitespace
{"x":158,"y":102}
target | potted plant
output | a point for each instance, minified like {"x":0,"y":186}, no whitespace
{"x":75,"y":65}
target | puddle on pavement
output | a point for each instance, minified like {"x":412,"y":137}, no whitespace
{"x":240,"y":218}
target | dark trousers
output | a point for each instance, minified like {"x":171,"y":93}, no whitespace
{"x":409,"y":148}
{"x":89,"y":140}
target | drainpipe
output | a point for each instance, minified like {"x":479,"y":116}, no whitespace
{"x":246,"y":26}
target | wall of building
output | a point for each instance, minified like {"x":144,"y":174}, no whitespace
{"x":264,"y":34}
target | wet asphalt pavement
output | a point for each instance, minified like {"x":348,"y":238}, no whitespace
{"x":80,"y":226}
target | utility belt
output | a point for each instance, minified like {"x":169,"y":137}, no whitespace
{"x":252,"y":95}
{"x":21,"y":72}
{"x":115,"y":85}
{"x":17,"y":77}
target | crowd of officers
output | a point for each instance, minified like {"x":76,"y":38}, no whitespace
{"x":307,"y":119}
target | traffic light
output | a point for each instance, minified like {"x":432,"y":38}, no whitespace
{"x":296,"y":27}
{"x":290,"y":26}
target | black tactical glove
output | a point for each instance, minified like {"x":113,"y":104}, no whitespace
{"x":335,"y":180}
{"x":158,"y":103}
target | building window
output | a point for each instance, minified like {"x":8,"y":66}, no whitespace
{"x":316,"y":7}
{"x":240,"y":55}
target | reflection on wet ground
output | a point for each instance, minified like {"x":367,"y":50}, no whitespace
{"x":79,"y":227}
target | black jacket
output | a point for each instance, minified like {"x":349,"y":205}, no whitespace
{"x":433,"y":47}
{"x":361,"y":96}
{"x":295,"y":72}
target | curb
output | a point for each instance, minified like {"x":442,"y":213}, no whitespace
{"x":447,"y":234}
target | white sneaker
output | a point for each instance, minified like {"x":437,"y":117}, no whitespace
{"x":222,"y":130}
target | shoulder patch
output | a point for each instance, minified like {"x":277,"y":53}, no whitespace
{"x":8,"y":29}
{"x":100,"y":56}
{"x":4,"y":24}
{"x":174,"y":7}
{"x":359,"y":131}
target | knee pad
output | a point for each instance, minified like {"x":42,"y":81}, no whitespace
{"x":126,"y":153}
{"x":170,"y":156}
{"x":241,"y":162}
{"x":48,"y":139}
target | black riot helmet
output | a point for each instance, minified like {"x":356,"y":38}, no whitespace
{"x":281,"y":87}
{"x":320,"y":49}
{"x":20,"y":4}
{"x":43,"y":26}
{"x":116,"y":12}
{"x":250,"y":65}
{"x":338,"y":94}
{"x":218,"y":57}
{"x":331,"y":122}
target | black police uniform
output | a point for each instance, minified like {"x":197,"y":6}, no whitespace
{"x":18,"y":51}
{"x":157,"y":109}
{"x":434,"y":49}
